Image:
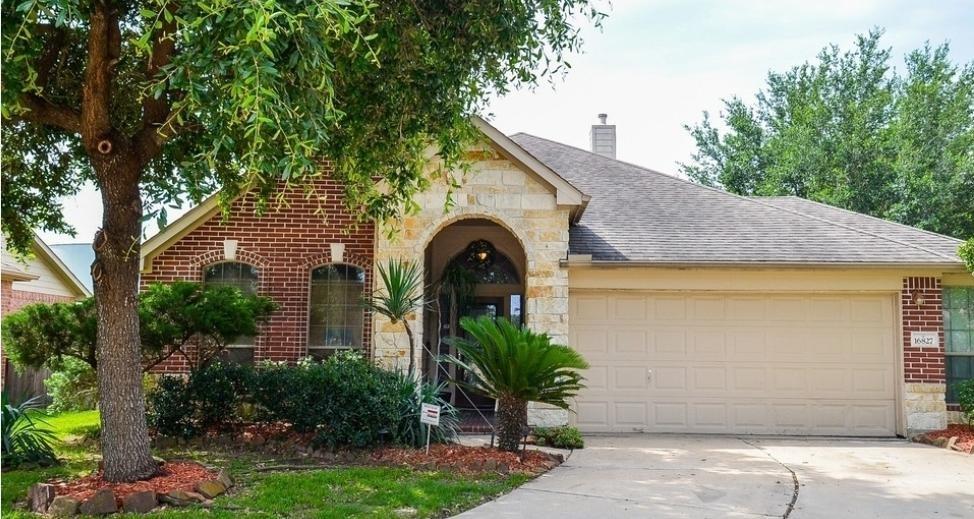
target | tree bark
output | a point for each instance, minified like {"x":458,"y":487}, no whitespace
{"x":512,"y":420}
{"x":126,"y":453}
{"x":412,"y":349}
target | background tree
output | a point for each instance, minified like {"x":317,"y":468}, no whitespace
{"x":163,"y":100}
{"x":850,"y":131}
{"x":173,"y":318}
{"x":516,"y":365}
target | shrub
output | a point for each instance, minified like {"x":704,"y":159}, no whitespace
{"x":73,"y":387}
{"x":345,"y":400}
{"x":25,"y":440}
{"x":559,"y":437}
{"x":965,"y":397}
{"x":210,"y":397}
{"x":409,"y":431}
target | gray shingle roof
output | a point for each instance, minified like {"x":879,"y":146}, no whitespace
{"x":640,"y":215}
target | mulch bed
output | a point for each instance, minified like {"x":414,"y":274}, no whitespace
{"x":173,"y":475}
{"x":964,"y":434}
{"x":468,"y":459}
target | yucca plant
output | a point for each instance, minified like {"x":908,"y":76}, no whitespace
{"x":515,"y":365}
{"x":401,"y":294}
{"x":25,"y":439}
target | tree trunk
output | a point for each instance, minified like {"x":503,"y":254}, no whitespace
{"x":412,"y":349}
{"x":512,"y":420}
{"x":124,"y":436}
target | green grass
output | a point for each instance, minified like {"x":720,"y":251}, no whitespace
{"x":319,"y":493}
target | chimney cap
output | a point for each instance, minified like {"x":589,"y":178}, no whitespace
{"x":603,"y":117}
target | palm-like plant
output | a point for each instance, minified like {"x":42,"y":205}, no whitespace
{"x":401,"y":294}
{"x":24,"y":438}
{"x":515,"y":365}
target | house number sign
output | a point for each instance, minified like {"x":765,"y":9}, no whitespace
{"x":925,"y":339}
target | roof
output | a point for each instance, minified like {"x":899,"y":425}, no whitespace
{"x":78,"y":257}
{"x":637,"y":215}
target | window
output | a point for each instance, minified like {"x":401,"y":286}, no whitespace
{"x":959,"y":332}
{"x":336,"y":315}
{"x":244,"y":277}
{"x":488,"y":266}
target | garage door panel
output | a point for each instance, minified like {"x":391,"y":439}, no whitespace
{"x":775,"y":363}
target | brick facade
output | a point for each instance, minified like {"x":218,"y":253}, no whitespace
{"x":923,"y":365}
{"x":285,"y":244}
{"x":924,"y":375}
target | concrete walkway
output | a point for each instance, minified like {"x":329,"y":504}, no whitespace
{"x":664,"y":476}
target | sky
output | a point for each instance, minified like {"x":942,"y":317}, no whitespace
{"x":656,"y":65}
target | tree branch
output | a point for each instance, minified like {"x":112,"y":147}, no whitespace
{"x":96,"y":124}
{"x":156,"y":110}
{"x":42,"y":111}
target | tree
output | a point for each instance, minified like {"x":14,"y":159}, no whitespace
{"x":850,"y":131}
{"x":966,"y":252}
{"x":401,"y":295}
{"x":172,"y":318}
{"x":160,"y":101}
{"x":515,"y":366}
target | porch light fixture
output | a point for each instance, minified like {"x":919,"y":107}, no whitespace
{"x":918,"y":298}
{"x":481,"y":253}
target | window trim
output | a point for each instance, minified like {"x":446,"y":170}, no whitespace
{"x":362,"y":347}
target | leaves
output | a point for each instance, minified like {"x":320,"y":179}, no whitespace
{"x":849,"y":131}
{"x":508,"y":361}
{"x":402,"y":290}
{"x":261,"y":92}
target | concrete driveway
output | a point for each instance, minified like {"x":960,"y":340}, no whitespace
{"x":662,"y":476}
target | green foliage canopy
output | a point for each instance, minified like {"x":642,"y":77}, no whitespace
{"x":850,"y":131}
{"x":218,"y":94}
{"x":172,"y":317}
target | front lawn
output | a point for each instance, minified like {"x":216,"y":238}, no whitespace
{"x":324,"y":493}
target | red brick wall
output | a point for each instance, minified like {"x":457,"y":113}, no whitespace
{"x":922,"y":364}
{"x":285,"y":245}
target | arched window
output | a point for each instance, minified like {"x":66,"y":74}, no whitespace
{"x":244,"y":277}
{"x":336,"y":315}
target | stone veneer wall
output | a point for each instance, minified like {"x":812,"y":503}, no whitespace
{"x":924,"y":374}
{"x":495,"y":190}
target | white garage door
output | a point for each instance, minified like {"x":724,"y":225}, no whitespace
{"x":736,"y":363}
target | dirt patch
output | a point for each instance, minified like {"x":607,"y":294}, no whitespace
{"x":174,"y":475}
{"x":467,"y":459}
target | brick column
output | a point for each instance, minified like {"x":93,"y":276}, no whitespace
{"x":924,"y":376}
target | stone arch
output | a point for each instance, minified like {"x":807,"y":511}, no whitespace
{"x":470,"y":214}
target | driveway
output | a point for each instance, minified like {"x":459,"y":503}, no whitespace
{"x":662,"y":476}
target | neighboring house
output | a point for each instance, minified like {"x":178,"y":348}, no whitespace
{"x":78,"y":257}
{"x":698,"y":310}
{"x":40,"y":277}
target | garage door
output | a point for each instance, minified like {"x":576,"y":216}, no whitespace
{"x":736,"y":363}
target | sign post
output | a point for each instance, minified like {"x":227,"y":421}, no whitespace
{"x":429,"y":414}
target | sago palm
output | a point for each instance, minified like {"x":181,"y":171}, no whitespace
{"x":401,"y":294}
{"x":515,"y":365}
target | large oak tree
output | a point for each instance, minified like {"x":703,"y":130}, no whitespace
{"x":159,"y":101}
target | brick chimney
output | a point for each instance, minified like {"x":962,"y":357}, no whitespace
{"x":604,"y":138}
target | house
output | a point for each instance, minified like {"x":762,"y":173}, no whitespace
{"x":40,"y":277}
{"x":698,"y":310}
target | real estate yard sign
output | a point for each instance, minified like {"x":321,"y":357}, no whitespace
{"x":429,"y":414}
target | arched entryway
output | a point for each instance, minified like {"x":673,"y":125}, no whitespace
{"x":474,"y":267}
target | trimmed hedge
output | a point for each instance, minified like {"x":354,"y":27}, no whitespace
{"x":344,"y":401}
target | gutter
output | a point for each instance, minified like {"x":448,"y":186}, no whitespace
{"x":585,"y":261}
